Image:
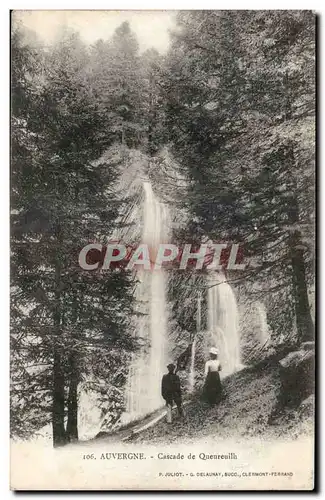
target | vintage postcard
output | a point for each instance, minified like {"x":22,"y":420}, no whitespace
{"x":162,"y":250}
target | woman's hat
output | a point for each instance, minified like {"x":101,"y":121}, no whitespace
{"x":214,"y":350}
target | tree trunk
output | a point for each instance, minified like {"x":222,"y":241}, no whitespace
{"x":58,"y":381}
{"x":304,"y":320}
{"x":305,"y":326}
{"x":72,"y":424}
{"x":59,"y":437}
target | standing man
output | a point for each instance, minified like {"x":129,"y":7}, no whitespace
{"x":171,"y":391}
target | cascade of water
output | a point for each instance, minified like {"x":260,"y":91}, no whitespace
{"x":147,"y":367}
{"x":191,"y":380}
{"x":198,"y":313}
{"x":223,"y":323}
{"x":193,"y":348}
{"x":263,"y":331}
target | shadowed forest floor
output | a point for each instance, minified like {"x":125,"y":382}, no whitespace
{"x":248,"y":407}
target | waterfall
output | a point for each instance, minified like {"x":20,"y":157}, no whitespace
{"x":143,"y":391}
{"x":263,"y":331}
{"x":198,"y":313}
{"x":193,"y":347}
{"x":192,"y":368}
{"x":223,"y":323}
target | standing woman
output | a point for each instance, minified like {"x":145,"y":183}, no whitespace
{"x":212,"y":386}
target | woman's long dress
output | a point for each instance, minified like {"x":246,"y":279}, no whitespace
{"x":212,"y":389}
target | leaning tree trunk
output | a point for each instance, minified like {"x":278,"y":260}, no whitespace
{"x":72,"y":424}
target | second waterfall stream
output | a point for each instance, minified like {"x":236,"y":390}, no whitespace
{"x":223,"y":323}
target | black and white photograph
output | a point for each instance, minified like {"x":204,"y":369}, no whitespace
{"x":162,"y":250}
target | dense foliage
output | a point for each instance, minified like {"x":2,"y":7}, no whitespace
{"x":239,"y":89}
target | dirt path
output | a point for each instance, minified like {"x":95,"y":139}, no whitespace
{"x":132,"y":429}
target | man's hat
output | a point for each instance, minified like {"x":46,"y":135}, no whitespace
{"x":214,"y":350}
{"x":171,"y":365}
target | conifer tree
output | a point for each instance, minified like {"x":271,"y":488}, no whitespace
{"x":239,"y":108}
{"x":66,"y":202}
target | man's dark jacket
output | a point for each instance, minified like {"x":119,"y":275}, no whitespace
{"x":171,"y":387}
